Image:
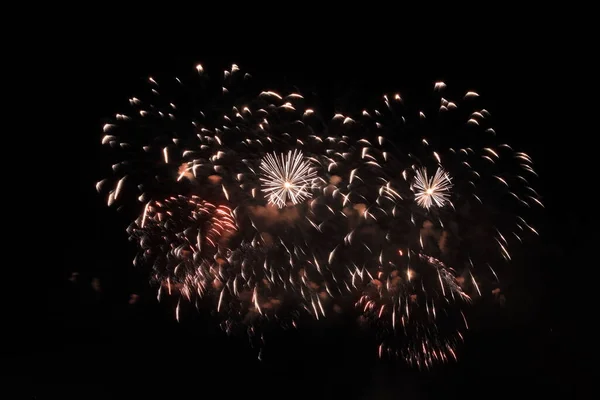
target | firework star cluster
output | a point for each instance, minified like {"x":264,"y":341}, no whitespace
{"x":255,"y":204}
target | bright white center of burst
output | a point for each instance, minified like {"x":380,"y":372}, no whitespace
{"x":286,"y":178}
{"x":432,"y":191}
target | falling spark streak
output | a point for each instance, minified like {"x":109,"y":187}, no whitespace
{"x":144,"y":216}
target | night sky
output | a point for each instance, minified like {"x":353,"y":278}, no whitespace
{"x":93,"y":344}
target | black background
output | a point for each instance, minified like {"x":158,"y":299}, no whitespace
{"x":85,"y":344}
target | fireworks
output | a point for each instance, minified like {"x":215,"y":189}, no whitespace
{"x":264,"y":211}
{"x":286,"y":178}
{"x":432,"y":191}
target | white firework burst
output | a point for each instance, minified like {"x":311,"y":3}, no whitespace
{"x":286,"y":177}
{"x":432,"y":191}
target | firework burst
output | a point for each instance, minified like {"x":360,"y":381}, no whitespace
{"x":432,"y":191}
{"x":267,"y":211}
{"x":287,"y":178}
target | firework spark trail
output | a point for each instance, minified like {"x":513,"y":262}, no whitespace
{"x":348,"y":209}
{"x":447,"y":277}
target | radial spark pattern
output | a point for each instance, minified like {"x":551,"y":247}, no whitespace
{"x":432,"y":191}
{"x":287,"y":178}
